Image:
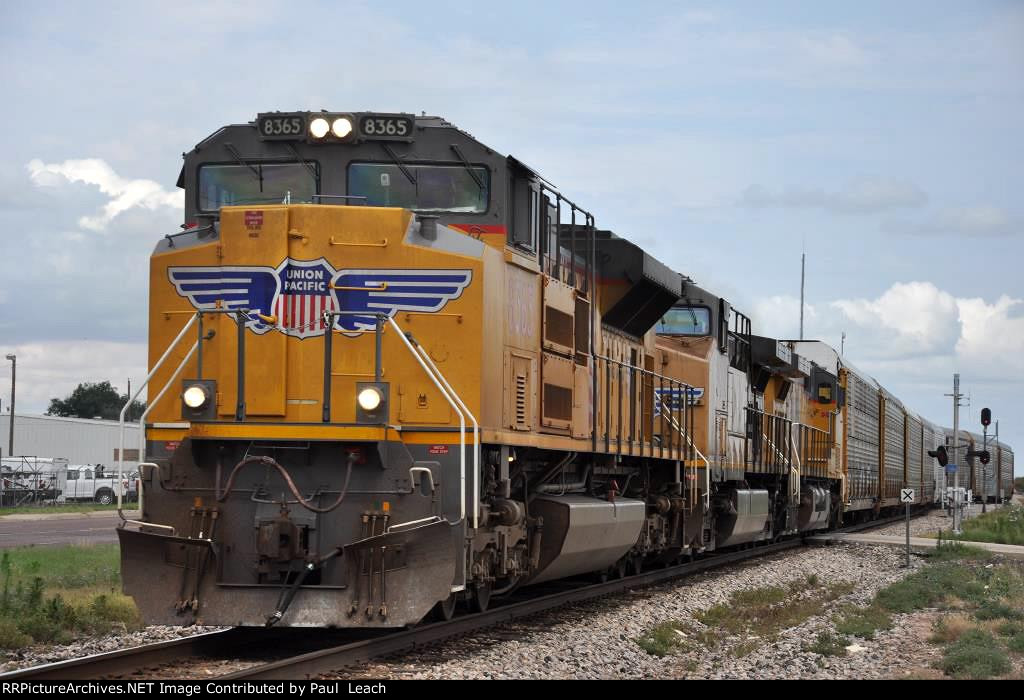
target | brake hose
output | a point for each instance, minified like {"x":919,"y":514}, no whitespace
{"x":270,"y":461}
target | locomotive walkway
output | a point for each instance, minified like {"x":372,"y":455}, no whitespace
{"x":1008,"y":550}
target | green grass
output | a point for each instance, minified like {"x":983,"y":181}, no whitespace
{"x":664,"y":639}
{"x":763,"y":612}
{"x":1016,"y":643}
{"x":976,"y":655}
{"x":951,"y":550}
{"x":1010,"y":629}
{"x":854,"y":621}
{"x":70,"y":567}
{"x":978,"y":587}
{"x":1002,"y":526}
{"x":70,"y":508}
{"x":55,"y":594}
{"x":996,"y":610}
{"x":828,"y":644}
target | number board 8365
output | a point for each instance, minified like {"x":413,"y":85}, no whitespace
{"x":386,"y":127}
{"x":278,"y":125}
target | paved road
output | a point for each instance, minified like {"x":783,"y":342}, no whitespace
{"x":92,"y":529}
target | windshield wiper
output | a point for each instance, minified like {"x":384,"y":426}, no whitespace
{"x":309,"y":166}
{"x":401,"y":166}
{"x":241,"y":161}
{"x":469,"y":168}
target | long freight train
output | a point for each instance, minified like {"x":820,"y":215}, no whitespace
{"x":395,"y":371}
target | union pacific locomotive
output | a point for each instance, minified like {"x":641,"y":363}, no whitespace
{"x":394,"y":371}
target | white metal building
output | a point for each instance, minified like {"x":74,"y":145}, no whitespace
{"x":79,"y":440}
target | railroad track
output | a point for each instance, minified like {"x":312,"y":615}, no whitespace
{"x":360,"y":646}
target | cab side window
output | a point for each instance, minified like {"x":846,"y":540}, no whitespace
{"x":524,"y":208}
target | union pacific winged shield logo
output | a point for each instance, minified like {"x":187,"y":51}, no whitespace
{"x":298,"y":292}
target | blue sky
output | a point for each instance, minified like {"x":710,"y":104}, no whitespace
{"x":882,"y":138}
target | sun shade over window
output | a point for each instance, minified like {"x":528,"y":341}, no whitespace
{"x":256,"y":183}
{"x":450,"y":188}
{"x":686,"y":320}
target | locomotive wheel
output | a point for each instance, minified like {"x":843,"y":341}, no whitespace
{"x":445,"y":609}
{"x":636,"y":565}
{"x":480,"y":598}
{"x":620,"y":569}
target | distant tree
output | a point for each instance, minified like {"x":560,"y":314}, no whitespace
{"x":1019,"y":484}
{"x":95,"y":400}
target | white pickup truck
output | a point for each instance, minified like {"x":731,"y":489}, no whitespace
{"x":95,"y":482}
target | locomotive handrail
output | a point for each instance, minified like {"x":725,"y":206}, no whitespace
{"x":455,"y":406}
{"x":131,"y":399}
{"x":139,"y":522}
{"x":794,"y":493}
{"x":154,"y":402}
{"x":707,"y":465}
{"x":476,"y":434}
{"x":673,"y":383}
{"x":778,"y":453}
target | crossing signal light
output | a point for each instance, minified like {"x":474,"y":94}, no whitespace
{"x":986,"y":417}
{"x":981,"y":455}
{"x":940,"y":454}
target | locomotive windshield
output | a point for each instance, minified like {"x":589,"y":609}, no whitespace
{"x":255,"y":183}
{"x":453,"y":188}
{"x":685,"y":320}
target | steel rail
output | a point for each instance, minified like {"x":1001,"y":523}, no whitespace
{"x":130,"y":660}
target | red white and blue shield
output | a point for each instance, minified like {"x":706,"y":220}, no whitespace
{"x":305,"y":296}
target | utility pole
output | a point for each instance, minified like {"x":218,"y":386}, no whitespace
{"x":803,"y":258}
{"x":999,"y":468}
{"x":14,"y":366}
{"x":842,"y":344}
{"x":955,"y":446}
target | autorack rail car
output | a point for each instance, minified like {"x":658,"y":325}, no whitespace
{"x":395,"y":371}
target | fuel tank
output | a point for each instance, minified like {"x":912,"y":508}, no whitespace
{"x":584,"y":534}
{"x":743,"y":517}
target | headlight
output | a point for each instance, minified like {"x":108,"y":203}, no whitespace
{"x":369,"y":399}
{"x":194,"y":396}
{"x":319,"y":127}
{"x":341,"y":127}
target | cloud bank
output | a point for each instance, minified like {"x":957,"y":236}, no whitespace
{"x":124,"y":194}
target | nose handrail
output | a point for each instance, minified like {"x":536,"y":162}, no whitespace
{"x":131,"y":399}
{"x":154,"y":402}
{"x":476,"y":431}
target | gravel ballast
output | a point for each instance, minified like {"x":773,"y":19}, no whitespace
{"x":597,"y":640}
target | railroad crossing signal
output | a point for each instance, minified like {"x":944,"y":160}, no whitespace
{"x":907,"y":495}
{"x":983,"y":455}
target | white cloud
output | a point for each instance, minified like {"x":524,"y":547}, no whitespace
{"x":912,"y":318}
{"x":992,"y":337}
{"x":864,"y":196}
{"x":124,"y":194}
{"x":982,"y":220}
{"x":781,"y":314}
{"x":913,"y":330}
{"x":52,"y":369}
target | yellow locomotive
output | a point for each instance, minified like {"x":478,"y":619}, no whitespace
{"x":394,"y":370}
